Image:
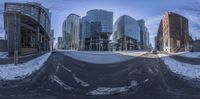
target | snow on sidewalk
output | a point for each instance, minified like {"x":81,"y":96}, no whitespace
{"x":184,"y":69}
{"x":102,"y":57}
{"x":12,"y":72}
{"x":188,"y":54}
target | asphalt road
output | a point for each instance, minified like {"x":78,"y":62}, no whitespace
{"x":62,"y":77}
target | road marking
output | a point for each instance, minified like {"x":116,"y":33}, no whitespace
{"x":78,"y":80}
{"x":112,"y":90}
{"x":54,"y":78}
{"x":150,"y":70}
{"x":146,"y":80}
{"x":57,"y":68}
{"x":66,"y":68}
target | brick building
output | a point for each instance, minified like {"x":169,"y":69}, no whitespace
{"x":173,"y":33}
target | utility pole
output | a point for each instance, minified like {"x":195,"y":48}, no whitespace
{"x":16,"y":41}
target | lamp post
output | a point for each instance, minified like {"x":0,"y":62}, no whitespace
{"x":16,"y":41}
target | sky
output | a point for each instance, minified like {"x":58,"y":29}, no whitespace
{"x":149,"y":10}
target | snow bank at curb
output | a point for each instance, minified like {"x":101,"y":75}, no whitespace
{"x":12,"y":72}
{"x":188,"y":54}
{"x":187,"y":70}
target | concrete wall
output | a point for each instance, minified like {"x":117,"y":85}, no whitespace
{"x":3,"y":45}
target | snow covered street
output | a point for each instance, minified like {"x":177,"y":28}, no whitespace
{"x":12,"y":72}
{"x":187,"y":70}
{"x":104,"y":57}
{"x":66,"y":77}
{"x":110,"y":91}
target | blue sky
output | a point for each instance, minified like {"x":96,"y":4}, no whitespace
{"x":149,"y":10}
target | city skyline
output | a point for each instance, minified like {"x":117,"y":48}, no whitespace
{"x":136,"y":9}
{"x":110,"y":49}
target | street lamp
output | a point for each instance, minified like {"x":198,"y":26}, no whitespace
{"x":16,"y":41}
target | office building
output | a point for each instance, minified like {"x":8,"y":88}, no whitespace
{"x":98,"y":30}
{"x":126,"y":33}
{"x":27,"y":27}
{"x":144,"y":35}
{"x":173,"y":33}
{"x":52,"y":40}
{"x":71,"y":32}
{"x":60,"y":43}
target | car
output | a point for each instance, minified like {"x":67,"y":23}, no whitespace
{"x":154,"y":51}
{"x":53,"y":52}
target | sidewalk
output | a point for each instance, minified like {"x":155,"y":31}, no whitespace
{"x":21,"y":71}
{"x":186,"y":70}
{"x":185,"y":59}
{"x":22,"y":59}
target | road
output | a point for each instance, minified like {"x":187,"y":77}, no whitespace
{"x":62,"y":77}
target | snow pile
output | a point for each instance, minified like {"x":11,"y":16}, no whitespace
{"x":3,"y":55}
{"x":54,"y":78}
{"x":187,"y":70}
{"x":103,"y":57}
{"x":188,"y":54}
{"x":12,"y":72}
{"x":111,"y":91}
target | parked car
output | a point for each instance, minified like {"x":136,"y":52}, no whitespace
{"x":154,"y":51}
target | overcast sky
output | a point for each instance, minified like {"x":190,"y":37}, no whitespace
{"x":149,"y":10}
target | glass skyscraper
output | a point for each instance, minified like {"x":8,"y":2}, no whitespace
{"x":126,"y":33}
{"x":100,"y":23}
{"x":71,"y":26}
{"x":144,"y":35}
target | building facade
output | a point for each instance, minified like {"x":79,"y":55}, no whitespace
{"x":97,"y":30}
{"x":71,"y":32}
{"x":144,"y":35}
{"x":196,"y":46}
{"x":60,"y":43}
{"x":173,"y":33}
{"x":159,"y":38}
{"x":65,"y":36}
{"x":126,"y":33}
{"x":85,"y":31}
{"x":27,"y":27}
{"x":52,"y":40}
